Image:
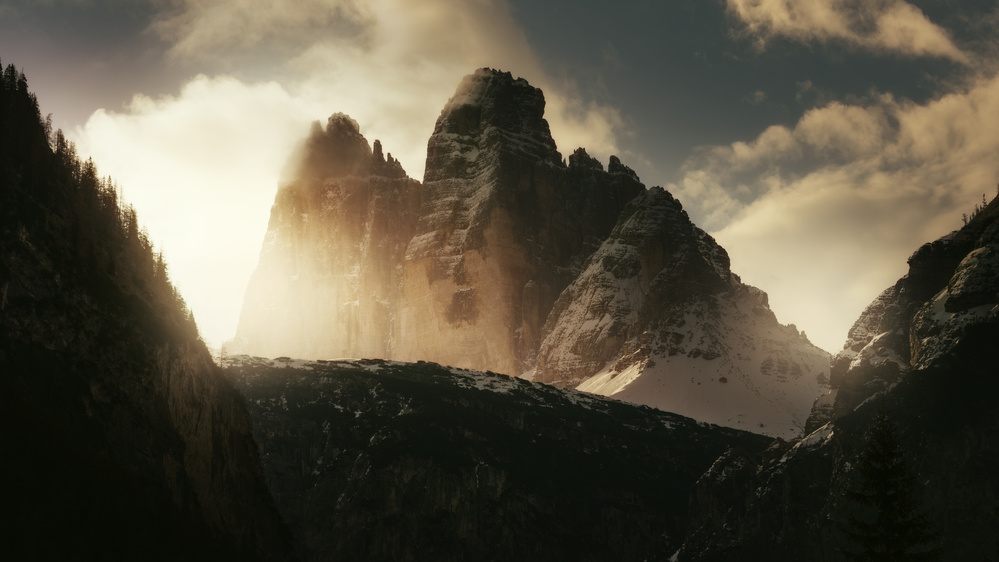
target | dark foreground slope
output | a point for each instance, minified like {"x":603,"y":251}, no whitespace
{"x":927,"y":350}
{"x":119,"y":438}
{"x":376,"y":460}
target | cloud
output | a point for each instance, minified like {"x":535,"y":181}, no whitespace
{"x":847,"y":194}
{"x":202,"y":167}
{"x":892,"y":26}
{"x":205,"y":30}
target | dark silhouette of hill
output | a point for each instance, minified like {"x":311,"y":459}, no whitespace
{"x":380,"y":460}
{"x":120,"y":439}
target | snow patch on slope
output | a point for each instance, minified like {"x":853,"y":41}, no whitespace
{"x":765,"y":380}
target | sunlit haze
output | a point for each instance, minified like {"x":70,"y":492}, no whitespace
{"x":820,"y":142}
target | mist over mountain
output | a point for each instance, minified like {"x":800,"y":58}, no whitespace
{"x":327,"y":283}
{"x":462,"y":269}
{"x":512,"y":259}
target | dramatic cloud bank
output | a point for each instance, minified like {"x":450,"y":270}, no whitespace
{"x":882,"y":25}
{"x":843,"y":194}
{"x":390,"y":64}
{"x":820,"y":213}
{"x":202,"y":167}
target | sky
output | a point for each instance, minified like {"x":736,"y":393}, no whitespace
{"x":821,"y":142}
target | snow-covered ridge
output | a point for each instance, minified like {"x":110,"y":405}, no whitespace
{"x":657,"y":318}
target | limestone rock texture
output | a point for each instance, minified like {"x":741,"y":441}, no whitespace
{"x":504,"y":226}
{"x":658,"y":318}
{"x":361,"y":261}
{"x":950,"y":288}
{"x":327,"y":281}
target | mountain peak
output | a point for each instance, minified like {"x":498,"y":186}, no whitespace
{"x":340,"y":150}
{"x":491,"y":115}
{"x":511,"y":260}
{"x":341,"y":124}
{"x":477,"y":87}
{"x":657,"y":317}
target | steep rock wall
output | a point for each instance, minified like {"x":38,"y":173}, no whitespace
{"x":379,"y":460}
{"x":361,"y":261}
{"x":504,"y":227}
{"x":120,"y":438}
{"x":327,"y":283}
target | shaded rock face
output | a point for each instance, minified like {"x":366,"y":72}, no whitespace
{"x":376,"y":460}
{"x":121,"y":439}
{"x":657,"y":317}
{"x":503,"y":228}
{"x":927,"y":345}
{"x":951,"y":285}
{"x":327,"y":284}
{"x":361,"y":261}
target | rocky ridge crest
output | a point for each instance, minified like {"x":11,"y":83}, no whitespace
{"x":361,"y":261}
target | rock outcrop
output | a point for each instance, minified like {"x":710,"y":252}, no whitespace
{"x":926,"y":349}
{"x":361,"y":261}
{"x":658,"y":318}
{"x":327,"y":283}
{"x":490,"y":264}
{"x":378,"y":460}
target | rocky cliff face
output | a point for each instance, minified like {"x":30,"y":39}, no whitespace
{"x":360,"y":261}
{"x":950,"y":287}
{"x":465,"y":270}
{"x":503,"y":228}
{"x":327,"y":284}
{"x":657,"y":317}
{"x":377,"y":460}
{"x":120,"y":437}
{"x":927,"y":345}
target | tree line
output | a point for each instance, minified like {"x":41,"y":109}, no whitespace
{"x":46,"y":187}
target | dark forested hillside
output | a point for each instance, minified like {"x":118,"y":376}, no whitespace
{"x":379,"y":460}
{"x":120,"y":438}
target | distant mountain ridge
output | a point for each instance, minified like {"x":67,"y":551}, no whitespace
{"x":483,"y":265}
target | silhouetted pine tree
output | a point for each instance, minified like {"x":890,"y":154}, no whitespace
{"x":46,"y":187}
{"x":895,"y":528}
